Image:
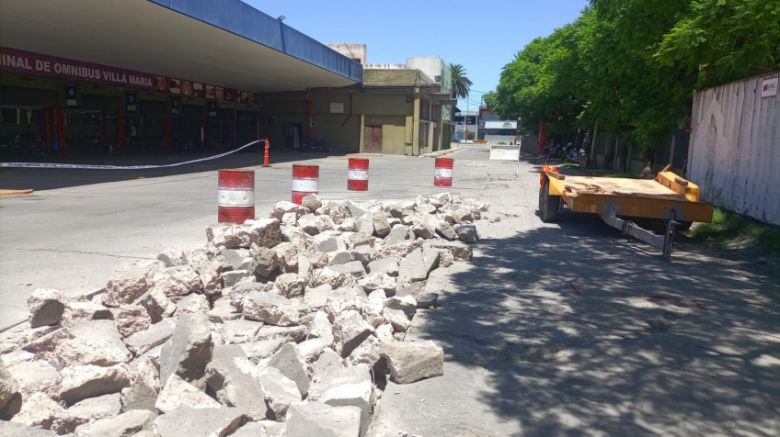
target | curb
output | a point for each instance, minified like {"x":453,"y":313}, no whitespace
{"x":441,"y":152}
{"x":18,"y":192}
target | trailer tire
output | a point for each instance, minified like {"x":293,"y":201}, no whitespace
{"x":548,"y":205}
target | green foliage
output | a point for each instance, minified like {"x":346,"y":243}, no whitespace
{"x":729,"y":228}
{"x":724,"y":40}
{"x":461,"y":84}
{"x":631,"y":65}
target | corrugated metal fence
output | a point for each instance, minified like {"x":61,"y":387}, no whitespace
{"x":735,"y":147}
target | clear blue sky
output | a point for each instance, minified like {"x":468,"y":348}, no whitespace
{"x":481,"y":35}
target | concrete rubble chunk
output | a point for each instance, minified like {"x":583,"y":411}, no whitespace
{"x":412,"y":268}
{"x":399,"y":234}
{"x":360,"y":239}
{"x":270,"y":308}
{"x":283,"y":207}
{"x":94,"y":342}
{"x":81,"y":382}
{"x":259,"y":350}
{"x":459,"y":250}
{"x":467,"y":233}
{"x":229,"y":236}
{"x":352,"y":394}
{"x":321,"y":327}
{"x":315,"y":224}
{"x":340,"y":257}
{"x":157,"y":334}
{"x":311,"y":201}
{"x":44,"y":346}
{"x":88,"y":410}
{"x":280,"y":391}
{"x":381,"y":226}
{"x":410,"y":362}
{"x":384,"y":333}
{"x":16,"y":356}
{"x":124,"y":425}
{"x":462,"y":215}
{"x":188,"y":350}
{"x":10,"y":396}
{"x":157,"y":304}
{"x":353,"y":268}
{"x":365,"y":254}
{"x":178,"y":281}
{"x":289,"y":333}
{"x":178,"y":392}
{"x":315,"y":297}
{"x":328,"y":241}
{"x":233,"y":381}
{"x":387,"y":265}
{"x":349,"y":330}
{"x":38,"y":410}
{"x":36,"y":376}
{"x":343,"y":299}
{"x":309,"y":350}
{"x":223,"y":310}
{"x":46,"y":306}
{"x":130,"y":319}
{"x":126,"y":286}
{"x":210,"y":273}
{"x":425,"y":227}
{"x":290,"y":284}
{"x":289,"y":363}
{"x":378,"y":281}
{"x":77,"y":312}
{"x":171,"y":257}
{"x":427,"y":300}
{"x":233,"y":277}
{"x":192,"y":303}
{"x":207,"y":422}
{"x":445,"y":230}
{"x":288,"y":256}
{"x":372,"y":309}
{"x":332,"y":277}
{"x":240,"y":331}
{"x":266,"y":263}
{"x":13,"y":429}
{"x":265,"y":232}
{"x":364,"y":224}
{"x":308,"y":419}
{"x":432,"y":258}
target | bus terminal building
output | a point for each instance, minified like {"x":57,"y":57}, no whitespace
{"x":114,"y":77}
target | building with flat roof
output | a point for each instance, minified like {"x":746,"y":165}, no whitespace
{"x":87,"y":77}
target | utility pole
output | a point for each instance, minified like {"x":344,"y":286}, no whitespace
{"x":466,"y":121}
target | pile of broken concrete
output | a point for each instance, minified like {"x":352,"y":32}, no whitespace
{"x":284,"y":326}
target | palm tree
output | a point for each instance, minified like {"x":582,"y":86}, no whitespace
{"x":460,"y":82}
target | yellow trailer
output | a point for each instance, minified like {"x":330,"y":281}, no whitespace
{"x":668,"y":197}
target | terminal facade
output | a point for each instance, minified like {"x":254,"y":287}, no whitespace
{"x":90,"y":79}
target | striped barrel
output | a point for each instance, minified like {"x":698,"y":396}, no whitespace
{"x":442,"y":172}
{"x":357,"y":174}
{"x":305,"y":181}
{"x":235,"y":196}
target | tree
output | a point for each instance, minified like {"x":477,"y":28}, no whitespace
{"x":724,"y":40}
{"x":461,"y":84}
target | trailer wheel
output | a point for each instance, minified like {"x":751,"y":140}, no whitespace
{"x":548,"y":205}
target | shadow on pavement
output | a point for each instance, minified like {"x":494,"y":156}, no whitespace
{"x":48,"y":179}
{"x":580,"y":334}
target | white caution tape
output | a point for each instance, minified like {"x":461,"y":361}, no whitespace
{"x":233,"y":197}
{"x":120,"y":167}
{"x":305,"y":185}
{"x":357,"y":175}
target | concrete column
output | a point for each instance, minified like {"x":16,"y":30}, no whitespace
{"x":362,"y":132}
{"x":416,"y":123}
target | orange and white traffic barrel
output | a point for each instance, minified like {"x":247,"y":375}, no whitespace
{"x":305,"y":181}
{"x":235,"y":196}
{"x":442,"y":172}
{"x":357,"y":174}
